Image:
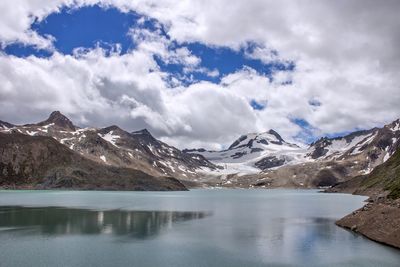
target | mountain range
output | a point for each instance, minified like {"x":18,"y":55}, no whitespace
{"x":265,"y":159}
{"x":253,"y":160}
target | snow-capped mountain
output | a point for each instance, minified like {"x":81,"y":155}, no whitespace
{"x":265,"y":158}
{"x":254,"y":152}
{"x":116,"y":147}
{"x":373,"y":146}
{"x":256,"y":159}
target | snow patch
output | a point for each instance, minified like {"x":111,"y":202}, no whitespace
{"x":31,"y":133}
{"x":48,"y":125}
{"x":167,"y":164}
{"x":109,"y":137}
{"x":396,"y":127}
{"x":103,"y":158}
{"x":63,"y":140}
{"x":151,"y":149}
{"x":386,"y":157}
{"x":340,"y":146}
{"x":366,"y":141}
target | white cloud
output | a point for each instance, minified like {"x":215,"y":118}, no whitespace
{"x":345,"y":53}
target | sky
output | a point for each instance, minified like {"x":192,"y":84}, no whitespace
{"x":200,"y":73}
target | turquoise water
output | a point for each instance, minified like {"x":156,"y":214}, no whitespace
{"x":195,"y":228}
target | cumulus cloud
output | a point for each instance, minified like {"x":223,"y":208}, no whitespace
{"x":345,"y":54}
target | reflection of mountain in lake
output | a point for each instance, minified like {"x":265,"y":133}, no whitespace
{"x":66,"y":221}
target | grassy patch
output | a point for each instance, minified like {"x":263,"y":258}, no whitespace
{"x":386,"y":176}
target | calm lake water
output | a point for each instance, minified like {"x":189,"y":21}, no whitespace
{"x":196,"y":228}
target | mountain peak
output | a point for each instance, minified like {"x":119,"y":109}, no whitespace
{"x":274,"y":133}
{"x":265,"y":138}
{"x":58,"y":119}
{"x":55,"y":114}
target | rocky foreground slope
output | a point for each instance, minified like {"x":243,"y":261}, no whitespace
{"x":40,"y":162}
{"x":378,"y":220}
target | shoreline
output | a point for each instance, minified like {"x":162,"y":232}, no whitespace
{"x":377,"y":221}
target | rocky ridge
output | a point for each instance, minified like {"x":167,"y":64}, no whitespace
{"x":40,"y":162}
{"x":115,"y":147}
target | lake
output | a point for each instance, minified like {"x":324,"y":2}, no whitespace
{"x":196,"y":228}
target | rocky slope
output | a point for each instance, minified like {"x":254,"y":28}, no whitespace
{"x":116,"y":147}
{"x":379,"y":220}
{"x":383,"y":181}
{"x":40,"y":162}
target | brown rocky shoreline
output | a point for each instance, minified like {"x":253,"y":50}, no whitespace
{"x":378,"y":220}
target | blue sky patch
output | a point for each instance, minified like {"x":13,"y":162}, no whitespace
{"x":87,"y":27}
{"x":93,"y":26}
{"x":21,"y":50}
{"x":307,"y":133}
{"x":257,"y":105}
{"x":228,"y":61}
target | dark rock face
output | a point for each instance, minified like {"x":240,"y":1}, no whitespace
{"x":256,"y":149}
{"x":325,"y":178}
{"x":269,"y":162}
{"x":194,"y":150}
{"x":280,"y":139}
{"x":42,"y":162}
{"x":239,"y":155}
{"x":237,"y":142}
{"x":4,"y":124}
{"x":263,"y":141}
{"x":320,"y":149}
